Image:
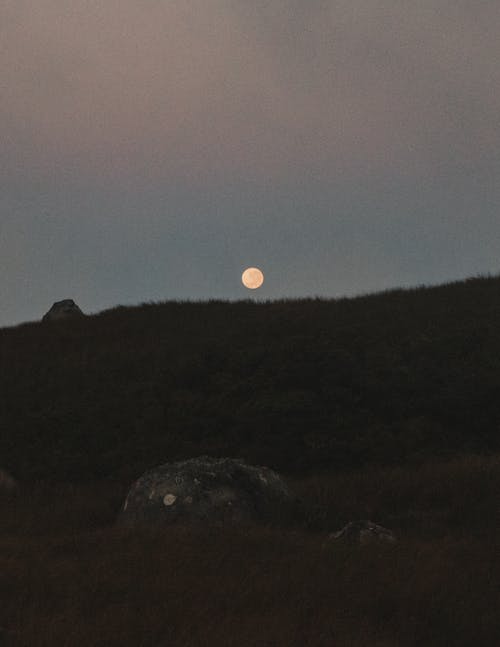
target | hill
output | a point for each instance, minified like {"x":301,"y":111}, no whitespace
{"x":299,"y":385}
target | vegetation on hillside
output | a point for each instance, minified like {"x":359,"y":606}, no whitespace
{"x":384,"y":407}
{"x":297,"y":385}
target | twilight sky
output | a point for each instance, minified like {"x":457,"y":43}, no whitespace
{"x":153,"y":149}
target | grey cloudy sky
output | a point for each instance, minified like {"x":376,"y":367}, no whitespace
{"x":152,"y":149}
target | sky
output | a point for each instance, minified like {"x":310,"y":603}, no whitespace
{"x":153,"y":149}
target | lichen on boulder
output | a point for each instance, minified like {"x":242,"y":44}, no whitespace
{"x":208,"y":490}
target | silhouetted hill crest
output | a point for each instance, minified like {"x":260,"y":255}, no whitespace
{"x":299,"y":385}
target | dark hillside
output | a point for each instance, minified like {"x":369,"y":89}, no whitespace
{"x":298,"y":385}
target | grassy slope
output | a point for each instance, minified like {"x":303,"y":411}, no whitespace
{"x":296,"y":385}
{"x":383,"y":407}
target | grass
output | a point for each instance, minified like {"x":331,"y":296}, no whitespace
{"x":70,"y":578}
{"x":300,"y":386}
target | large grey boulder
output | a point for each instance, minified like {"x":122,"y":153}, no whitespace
{"x":209,"y":490}
{"x":363,"y":532}
{"x":65,"y":309}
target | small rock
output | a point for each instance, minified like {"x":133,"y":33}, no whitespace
{"x":65,"y":309}
{"x":363,"y":532}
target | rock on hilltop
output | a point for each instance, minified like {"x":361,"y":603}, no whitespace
{"x":65,"y":309}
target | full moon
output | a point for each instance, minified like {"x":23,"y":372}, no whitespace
{"x":252,"y":278}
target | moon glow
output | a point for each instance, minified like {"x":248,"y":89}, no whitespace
{"x":252,"y":278}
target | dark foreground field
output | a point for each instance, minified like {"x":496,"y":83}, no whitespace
{"x":69,"y":578}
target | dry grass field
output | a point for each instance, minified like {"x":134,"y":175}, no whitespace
{"x":70,"y":578}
